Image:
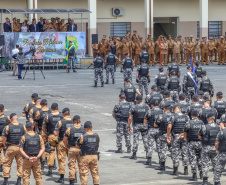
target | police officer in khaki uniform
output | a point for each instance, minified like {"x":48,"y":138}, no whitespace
{"x":204,"y":51}
{"x":197,"y":50}
{"x":11,"y":137}
{"x":47,"y":26}
{"x":89,"y":144}
{"x":211,"y":47}
{"x":63,"y":26}
{"x":176,"y":50}
{"x":150,"y":48}
{"x":164,"y":52}
{"x":49,"y":125}
{"x":71,"y":136}
{"x":4,"y":120}
{"x":62,"y":150}
{"x":31,"y":147}
{"x":170,"y":48}
{"x":220,"y":48}
{"x":28,"y":106}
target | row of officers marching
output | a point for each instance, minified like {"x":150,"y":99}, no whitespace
{"x":195,"y":130}
{"x":46,"y":131}
{"x":165,"y":48}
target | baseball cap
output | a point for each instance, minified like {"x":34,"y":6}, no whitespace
{"x":211,"y":114}
{"x":203,"y":72}
{"x":139,"y":97}
{"x":166,"y":92}
{"x":161,"y":68}
{"x":194,"y":112}
{"x":181,"y":95}
{"x":172,"y":72}
{"x":87,"y":124}
{"x":167,"y":104}
{"x":127,"y":79}
{"x":28,"y":124}
{"x":194,"y":97}
{"x":153,"y":87}
{"x":1,"y":106}
{"x":200,"y":92}
{"x":219,"y":93}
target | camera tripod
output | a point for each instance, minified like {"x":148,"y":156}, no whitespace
{"x":33,"y":65}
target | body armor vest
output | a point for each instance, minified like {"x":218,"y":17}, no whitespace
{"x":173,"y":83}
{"x":32,"y":145}
{"x":99,"y":63}
{"x":15,"y":133}
{"x":75,"y":133}
{"x":90,"y":144}
{"x":65,"y":125}
{"x":179,"y":123}
{"x":155,"y":112}
{"x":3,"y":122}
{"x":195,"y":126}
{"x":53,"y":120}
{"x":111,"y":59}
{"x":222,"y":145}
{"x":144,"y":70}
{"x":211,"y":133}
{"x":128,"y":63}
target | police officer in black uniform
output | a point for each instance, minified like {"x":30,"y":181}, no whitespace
{"x":173,"y":85}
{"x":167,"y":99}
{"x":183,"y":104}
{"x":98,"y":69}
{"x":173,"y":66}
{"x":198,"y":71}
{"x":127,"y":66}
{"x":154,"y":95}
{"x":110,"y":63}
{"x":219,"y":105}
{"x":160,"y":80}
{"x":201,"y":97}
{"x":28,"y":106}
{"x":195,"y":105}
{"x":144,"y":55}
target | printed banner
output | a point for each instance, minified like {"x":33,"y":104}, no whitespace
{"x":48,"y":45}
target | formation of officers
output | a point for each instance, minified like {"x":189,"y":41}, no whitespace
{"x":46,"y":131}
{"x":186,"y":124}
{"x":182,"y":50}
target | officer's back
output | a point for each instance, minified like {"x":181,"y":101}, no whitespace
{"x":98,"y":62}
{"x":219,"y":104}
{"x":130,"y":92}
{"x":207,"y":109}
{"x":174,"y":66}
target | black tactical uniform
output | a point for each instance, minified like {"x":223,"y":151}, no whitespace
{"x":143,"y":78}
{"x":98,"y":70}
{"x":173,"y":85}
{"x":110,"y":67}
{"x":127,"y":64}
{"x":220,"y":106}
{"x":174,"y":66}
{"x":160,"y":81}
{"x":205,"y":111}
{"x":206,"y":86}
{"x":194,"y":106}
{"x":184,"y":106}
{"x":130,"y":92}
{"x":153,"y":96}
{"x":166,"y":101}
{"x":189,"y":86}
{"x":144,"y":55}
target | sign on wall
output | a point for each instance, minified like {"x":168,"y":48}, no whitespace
{"x":48,"y":45}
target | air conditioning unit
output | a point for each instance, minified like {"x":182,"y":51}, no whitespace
{"x":117,"y":12}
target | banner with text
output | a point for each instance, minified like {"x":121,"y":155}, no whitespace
{"x":48,"y":45}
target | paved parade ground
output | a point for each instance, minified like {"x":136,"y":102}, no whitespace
{"x":76,"y":91}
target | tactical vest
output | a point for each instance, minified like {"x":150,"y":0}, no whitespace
{"x":128,"y":63}
{"x":174,"y":67}
{"x":144,"y":70}
{"x":90,"y":144}
{"x":179,"y":123}
{"x":15,"y":133}
{"x":184,"y":106}
{"x":155,"y":112}
{"x":198,"y":72}
{"x":32,"y":145}
{"x":195,"y":106}
{"x":161,"y":80}
{"x":222,"y":145}
{"x":111,"y":59}
{"x":53,"y":120}
{"x":3,"y":122}
{"x":145,"y":55}
{"x":195,"y":126}
{"x":173,"y":83}
{"x":75,"y":133}
{"x":139,"y":114}
{"x":164,"y":123}
{"x":99,"y":63}
{"x":155,"y":96}
{"x":220,"y":106}
{"x":171,"y":102}
{"x":124,"y":110}
{"x":205,"y":112}
{"x":130,"y":93}
{"x":30,"y":106}
{"x":190,"y":82}
{"x":211,"y":133}
{"x":205,"y":85}
{"x":65,"y":125}
{"x":35,"y":111}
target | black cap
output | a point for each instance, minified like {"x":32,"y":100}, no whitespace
{"x":76,"y":117}
{"x":167,"y":104}
{"x":28,"y":124}
{"x":87,"y":124}
{"x":172,"y":72}
{"x":109,"y":50}
{"x":194,"y":97}
{"x":153,"y":87}
{"x":176,"y":105}
{"x":173,"y":59}
{"x":143,"y":60}
{"x":188,"y":67}
{"x":200,"y":92}
{"x":126,"y":54}
{"x":37,"y":98}
{"x":166,"y":92}
{"x":99,"y":53}
{"x":211,"y":114}
{"x":34,"y":95}
{"x":65,"y":110}
{"x":1,"y":106}
{"x":44,"y":101}
{"x":54,"y":106}
{"x":203,"y":72}
{"x":122,"y":95}
{"x":154,"y":102}
{"x":144,"y":48}
{"x":197,"y":63}
{"x":181,"y":95}
{"x":127,"y":79}
{"x":11,"y":115}
{"x":20,"y":48}
{"x":161,"y":68}
{"x":139,"y":97}
{"x":194,"y":113}
{"x":218,"y":94}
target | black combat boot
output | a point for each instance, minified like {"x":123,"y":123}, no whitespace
{"x":54,"y":165}
{"x":102,"y":84}
{"x":185,"y":170}
{"x":18,"y":182}
{"x":200,"y":175}
{"x":75,"y":180}
{"x":68,"y":70}
{"x":134,"y":156}
{"x":205,"y":181}
{"x":61,"y":179}
{"x":161,"y":167}
{"x":1,"y":168}
{"x":129,"y":149}
{"x":5,"y":182}
{"x":119,"y":150}
{"x":95,"y":84}
{"x":42,"y":165}
{"x":148,"y":162}
{"x":74,"y":71}
{"x":113,"y":81}
{"x":194,"y":177}
{"x":46,"y":160}
{"x":106,"y":82}
{"x":72,"y":182}
{"x":175,"y":171}
{"x":217,"y":183}
{"x":50,"y":172}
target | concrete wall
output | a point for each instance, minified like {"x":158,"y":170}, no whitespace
{"x":188,"y":28}
{"x":217,"y":10}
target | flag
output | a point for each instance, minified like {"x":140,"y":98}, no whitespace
{"x":193,"y":71}
{"x":192,"y":65}
{"x":66,"y":51}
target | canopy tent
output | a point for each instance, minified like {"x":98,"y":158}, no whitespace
{"x":45,"y":11}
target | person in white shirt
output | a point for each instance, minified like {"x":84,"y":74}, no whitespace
{"x":15,"y":51}
{"x":24,"y":27}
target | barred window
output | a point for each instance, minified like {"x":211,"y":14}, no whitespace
{"x":120,"y":28}
{"x":198,"y":30}
{"x":215,"y":29}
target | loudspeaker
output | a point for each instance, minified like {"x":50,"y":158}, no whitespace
{"x":2,"y":40}
{"x":94,"y":38}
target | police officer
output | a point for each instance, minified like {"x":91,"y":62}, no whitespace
{"x":127,"y":66}
{"x":71,"y":136}
{"x":109,"y":63}
{"x":160,"y":80}
{"x":167,"y":99}
{"x":206,"y":85}
{"x":121,"y":114}
{"x":4,"y":120}
{"x":11,"y":137}
{"x":189,"y":84}
{"x":98,"y":69}
{"x":220,"y":145}
{"x":154,"y":95}
{"x":153,"y":132}
{"x":183,"y":104}
{"x":173,"y":85}
{"x":191,"y":130}
{"x":62,"y":150}
{"x":208,"y":134}
{"x":179,"y":144}
{"x":31,"y":147}
{"x":28,"y":106}
{"x":173,"y":66}
{"x":198,"y":71}
{"x":143,"y":77}
{"x":219,"y":105}
{"x":162,"y":122}
{"x":130,"y":91}
{"x":89,"y":144}
{"x":49,"y":125}
{"x":137,"y":113}
{"x":201,"y":97}
{"x":144,"y":55}
{"x":71,"y":57}
{"x":195,"y":105}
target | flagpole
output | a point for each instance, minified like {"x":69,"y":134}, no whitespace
{"x":160,"y":53}
{"x":65,"y":46}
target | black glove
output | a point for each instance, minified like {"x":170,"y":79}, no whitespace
{"x":104,"y":67}
{"x":149,"y":80}
{"x":121,"y":71}
{"x":137,"y":80}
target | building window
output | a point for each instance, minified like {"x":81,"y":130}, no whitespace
{"x":120,"y":28}
{"x":198,"y":29}
{"x":215,"y":28}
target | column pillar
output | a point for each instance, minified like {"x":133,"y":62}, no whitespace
{"x":151,"y":18}
{"x":30,"y":6}
{"x":92,"y":23}
{"x":35,"y":6}
{"x":147,"y":17}
{"x":203,"y":6}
